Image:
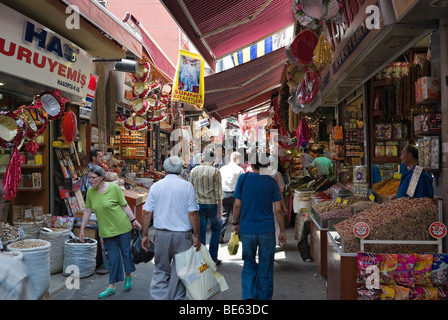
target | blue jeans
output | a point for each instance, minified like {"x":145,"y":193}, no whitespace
{"x":209,"y":213}
{"x":257,"y":279}
{"x":119,"y":254}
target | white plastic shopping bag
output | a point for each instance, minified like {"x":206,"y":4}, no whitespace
{"x":196,"y":273}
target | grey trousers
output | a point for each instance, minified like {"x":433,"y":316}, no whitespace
{"x":165,"y":284}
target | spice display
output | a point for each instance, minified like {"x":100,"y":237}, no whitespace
{"x":387,"y":187}
{"x":362,"y":205}
{"x":353,"y":199}
{"x":339,"y":214}
{"x":327,"y":206}
{"x":399,"y":219}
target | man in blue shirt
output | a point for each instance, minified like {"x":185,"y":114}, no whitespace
{"x":424,"y":188}
{"x":253,"y":220}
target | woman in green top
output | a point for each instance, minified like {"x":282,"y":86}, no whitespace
{"x":114,"y":218}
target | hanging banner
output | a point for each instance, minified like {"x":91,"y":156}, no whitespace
{"x":85,"y":110}
{"x":188,"y":84}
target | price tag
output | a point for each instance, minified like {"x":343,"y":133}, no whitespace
{"x":397,"y":175}
{"x":372,"y":197}
{"x":338,"y":200}
{"x":361,"y":230}
{"x":21,"y":233}
{"x":437,"y":230}
{"x":345,"y":202}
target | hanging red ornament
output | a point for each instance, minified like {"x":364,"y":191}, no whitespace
{"x":12,"y":177}
{"x":302,"y":48}
{"x":69,"y":126}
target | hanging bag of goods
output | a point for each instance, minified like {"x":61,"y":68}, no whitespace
{"x":308,"y":91}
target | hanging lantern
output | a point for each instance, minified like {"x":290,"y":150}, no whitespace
{"x":140,"y":106}
{"x":157,"y":116}
{"x":140,"y":90}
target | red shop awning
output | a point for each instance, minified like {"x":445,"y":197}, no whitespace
{"x":246,"y":86}
{"x":159,"y":58}
{"x":219,"y":27}
{"x":98,"y":16}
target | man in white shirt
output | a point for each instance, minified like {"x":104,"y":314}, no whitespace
{"x":172,"y":202}
{"x":229,"y":175}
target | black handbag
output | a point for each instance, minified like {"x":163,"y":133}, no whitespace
{"x":138,"y":253}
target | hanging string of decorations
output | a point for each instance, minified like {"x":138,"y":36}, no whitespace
{"x":150,"y":100}
{"x":310,"y":51}
{"x":26,"y":124}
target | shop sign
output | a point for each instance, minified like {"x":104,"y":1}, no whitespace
{"x":437,"y":230}
{"x":30,"y":50}
{"x":85,"y":110}
{"x":201,"y":123}
{"x":361,"y":230}
{"x":188,"y":84}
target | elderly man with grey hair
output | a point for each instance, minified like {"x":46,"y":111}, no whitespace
{"x":172,"y":204}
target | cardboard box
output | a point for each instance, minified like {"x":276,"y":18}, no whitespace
{"x":427,"y":89}
{"x":429,"y":122}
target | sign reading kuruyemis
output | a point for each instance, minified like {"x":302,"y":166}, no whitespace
{"x":31,"y":51}
{"x":188,"y":84}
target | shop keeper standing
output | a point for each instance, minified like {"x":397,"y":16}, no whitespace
{"x":424,"y":182}
{"x":115,"y":218}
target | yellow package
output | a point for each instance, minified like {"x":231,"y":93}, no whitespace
{"x":234,"y":243}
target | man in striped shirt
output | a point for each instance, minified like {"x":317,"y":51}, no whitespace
{"x":207,"y":184}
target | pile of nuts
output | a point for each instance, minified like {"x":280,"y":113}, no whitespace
{"x":27,"y":244}
{"x":399,"y":219}
{"x":328,"y":206}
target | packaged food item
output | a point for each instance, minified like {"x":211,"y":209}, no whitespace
{"x":369,"y":294}
{"x":439,"y":272}
{"x":392,"y":148}
{"x":404,"y":273}
{"x":417,"y":293}
{"x":388,"y":265}
{"x":380,"y":150}
{"x":388,"y":292}
{"x":401,"y":293}
{"x":422,"y":269}
{"x":368,"y":270}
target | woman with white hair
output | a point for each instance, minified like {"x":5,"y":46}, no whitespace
{"x":115,"y":218}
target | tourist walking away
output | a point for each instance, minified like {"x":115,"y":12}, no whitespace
{"x":323,"y":165}
{"x":115,"y":221}
{"x":171,"y":203}
{"x":253,"y":220}
{"x":207,"y":184}
{"x":424,"y":187}
{"x":229,"y":176}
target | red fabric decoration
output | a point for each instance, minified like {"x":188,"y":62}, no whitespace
{"x":303,"y":133}
{"x":69,"y":126}
{"x":302,"y":47}
{"x":32,"y":147}
{"x":12,"y":177}
{"x":308,"y":88}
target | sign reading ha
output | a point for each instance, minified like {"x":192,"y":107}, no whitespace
{"x":31,"y":51}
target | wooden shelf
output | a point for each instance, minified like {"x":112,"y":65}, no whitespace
{"x":381,"y":160}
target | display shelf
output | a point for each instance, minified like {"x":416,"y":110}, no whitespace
{"x":318,"y":246}
{"x":342,"y":270}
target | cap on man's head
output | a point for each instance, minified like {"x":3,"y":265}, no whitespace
{"x":172,"y":165}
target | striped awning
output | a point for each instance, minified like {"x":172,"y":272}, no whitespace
{"x":254,"y":51}
{"x":220,"y":27}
